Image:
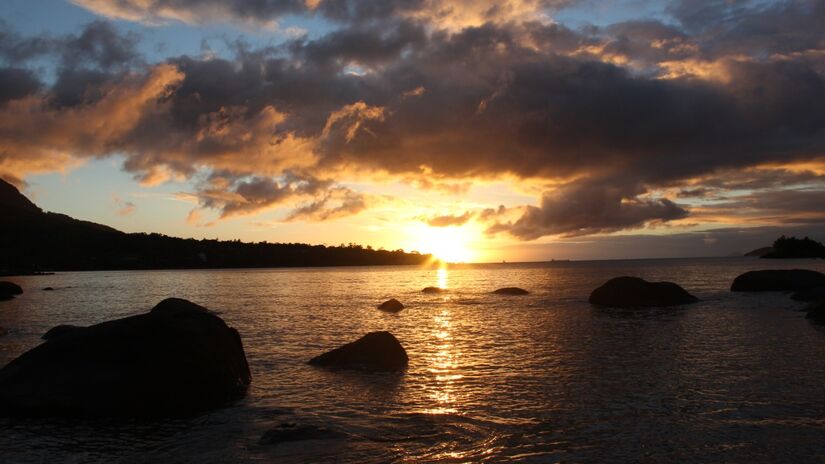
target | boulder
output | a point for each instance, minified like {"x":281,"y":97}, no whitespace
{"x":816,"y":312}
{"x":290,"y":431}
{"x":11,"y":288}
{"x":511,"y":291}
{"x":391,"y":306}
{"x":629,"y":292}
{"x":61,"y":330}
{"x":809,"y":294}
{"x":8,"y":290}
{"x":433,"y":290}
{"x":375,"y":350}
{"x":177,"y":360}
{"x":778,"y":280}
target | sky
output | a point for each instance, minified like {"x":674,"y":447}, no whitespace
{"x":480,"y":131}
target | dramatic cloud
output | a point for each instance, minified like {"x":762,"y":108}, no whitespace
{"x":589,"y":209}
{"x":611,"y":122}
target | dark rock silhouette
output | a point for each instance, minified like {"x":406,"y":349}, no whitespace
{"x":177,"y":360}
{"x":793,"y":248}
{"x":48,"y":289}
{"x":777,"y":280}
{"x":290,"y":431}
{"x":630,"y":292}
{"x":816,"y":312}
{"x":375,"y":350}
{"x":391,"y":306}
{"x":8,"y":290}
{"x":50,"y":241}
{"x":809,"y":294}
{"x":61,"y":330}
{"x":3,"y":331}
{"x":433,"y":290}
{"x":511,"y":291}
{"x":760,"y":252}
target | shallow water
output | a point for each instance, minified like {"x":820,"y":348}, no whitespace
{"x":539,"y":378}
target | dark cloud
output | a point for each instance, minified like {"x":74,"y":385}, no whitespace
{"x":589,"y":209}
{"x":17,"y":83}
{"x":98,"y":44}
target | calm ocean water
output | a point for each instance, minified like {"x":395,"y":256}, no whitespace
{"x":538,"y":378}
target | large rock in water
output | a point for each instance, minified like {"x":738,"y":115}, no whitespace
{"x":391,"y":306}
{"x":777,"y":280}
{"x":433,"y":290}
{"x":179,"y":359}
{"x":511,"y":291}
{"x":11,"y":288}
{"x":8,"y":290}
{"x":375,"y":350}
{"x":630,"y":292}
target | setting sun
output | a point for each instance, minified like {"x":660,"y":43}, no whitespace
{"x":450,"y":244}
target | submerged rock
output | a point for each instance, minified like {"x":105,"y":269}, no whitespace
{"x":48,"y":289}
{"x":433,"y":290}
{"x":511,"y":291}
{"x":375,"y":350}
{"x":11,"y":288}
{"x":778,"y":280}
{"x":392,"y":306}
{"x":809,"y":294}
{"x":179,"y":359}
{"x":290,"y":431}
{"x":628,"y":292}
{"x":61,"y":330}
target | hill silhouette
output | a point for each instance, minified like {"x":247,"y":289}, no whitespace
{"x":792,"y":247}
{"x":38,"y":241}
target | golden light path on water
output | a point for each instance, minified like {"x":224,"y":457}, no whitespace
{"x":444,"y":361}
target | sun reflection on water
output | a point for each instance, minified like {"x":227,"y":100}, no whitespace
{"x":444,"y":360}
{"x":442,"y":277}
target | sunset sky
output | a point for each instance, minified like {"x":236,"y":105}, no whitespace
{"x":480,"y":131}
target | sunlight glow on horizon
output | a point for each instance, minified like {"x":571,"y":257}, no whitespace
{"x":448,"y":244}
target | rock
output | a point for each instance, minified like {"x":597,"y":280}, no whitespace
{"x":48,"y":289}
{"x":290,"y":431}
{"x":433,"y":290}
{"x":628,"y":292}
{"x":511,"y":291}
{"x":6,"y":296}
{"x":61,"y":330}
{"x":3,"y":331}
{"x":11,"y":288}
{"x":375,"y":350}
{"x":809,"y":294}
{"x":391,"y":306}
{"x":177,"y":360}
{"x":778,"y":280}
{"x":816,"y":312}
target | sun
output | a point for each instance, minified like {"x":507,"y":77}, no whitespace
{"x":449,"y":244}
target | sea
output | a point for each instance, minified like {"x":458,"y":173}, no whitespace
{"x":542,"y":378}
